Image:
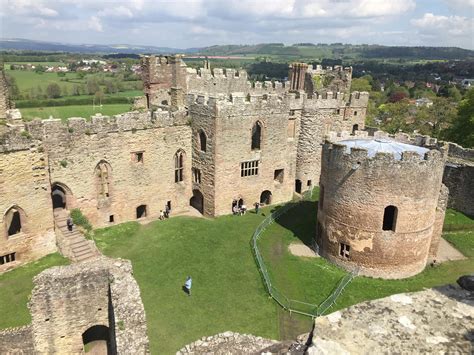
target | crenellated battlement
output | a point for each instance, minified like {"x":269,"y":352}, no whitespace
{"x":204,"y":73}
{"x":32,"y":133}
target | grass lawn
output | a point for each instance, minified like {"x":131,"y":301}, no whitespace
{"x":16,"y":286}
{"x":73,"y":111}
{"x":228,"y":293}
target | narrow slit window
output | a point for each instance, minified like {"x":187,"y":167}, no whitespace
{"x":390,"y":218}
{"x":256,"y":135}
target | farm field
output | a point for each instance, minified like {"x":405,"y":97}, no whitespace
{"x":64,"y":112}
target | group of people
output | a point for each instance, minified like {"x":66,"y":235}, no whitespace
{"x":241,"y":209}
{"x":166,"y":213}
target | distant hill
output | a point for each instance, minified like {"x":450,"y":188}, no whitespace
{"x":300,"y":50}
{"x":339,"y":51}
{"x":25,"y":44}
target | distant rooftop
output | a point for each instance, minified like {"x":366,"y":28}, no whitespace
{"x":374,"y":146}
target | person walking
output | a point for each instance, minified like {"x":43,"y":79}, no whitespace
{"x":69,"y":224}
{"x":162,"y":215}
{"x":257,"y":206}
{"x":187,"y":285}
{"x":167,"y":211}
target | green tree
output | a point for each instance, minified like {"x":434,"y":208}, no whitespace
{"x":395,"y":116}
{"x":361,"y":84}
{"x":437,"y":118}
{"x":92,"y":85}
{"x":53,"y":91}
{"x":12,"y":87}
{"x":454,"y":93}
{"x":462,"y":130}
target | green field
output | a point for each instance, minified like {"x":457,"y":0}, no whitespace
{"x":16,"y":286}
{"x":228,"y":292}
{"x":73,"y":111}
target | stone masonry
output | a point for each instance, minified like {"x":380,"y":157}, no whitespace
{"x":67,"y":302}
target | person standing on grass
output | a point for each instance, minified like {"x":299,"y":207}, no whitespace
{"x":188,"y":284}
{"x":257,"y":206}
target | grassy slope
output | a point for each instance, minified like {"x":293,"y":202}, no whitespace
{"x":73,"y":111}
{"x":227,"y":290}
{"x":16,"y":286}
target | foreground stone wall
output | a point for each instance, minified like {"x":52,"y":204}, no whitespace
{"x":25,"y":191}
{"x":17,"y":341}
{"x":426,"y":322}
{"x":355,"y":190}
{"x":68,"y":300}
{"x":5,"y":103}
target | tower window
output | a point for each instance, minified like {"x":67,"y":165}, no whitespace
{"x":256,"y":135}
{"x":278,"y":175}
{"x":390,"y":218}
{"x":178,"y":166}
{"x":249,"y":168}
{"x":344,"y":250}
{"x":7,"y":258}
{"x":137,"y":157}
{"x":202,"y":140}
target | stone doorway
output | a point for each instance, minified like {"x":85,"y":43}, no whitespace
{"x":197,"y":201}
{"x":298,"y":185}
{"x":60,"y":196}
{"x":96,"y":340}
{"x":266,"y":197}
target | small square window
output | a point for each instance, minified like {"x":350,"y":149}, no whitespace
{"x":338,"y":111}
{"x":292,"y":112}
{"x":344,"y":250}
{"x":137,"y":157}
{"x":355,"y":113}
{"x":309,"y":183}
{"x":279,"y":175}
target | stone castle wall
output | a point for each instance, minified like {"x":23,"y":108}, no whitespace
{"x":231,"y":130}
{"x":25,"y":188}
{"x":76,"y":149}
{"x":5,"y":103}
{"x":67,"y":301}
{"x":356,"y":189}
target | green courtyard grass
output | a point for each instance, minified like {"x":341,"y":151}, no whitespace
{"x":16,"y":286}
{"x":64,"y":112}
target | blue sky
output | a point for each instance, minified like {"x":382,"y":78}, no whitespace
{"x":197,"y":23}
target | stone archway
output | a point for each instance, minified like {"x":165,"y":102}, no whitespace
{"x":266,"y":197}
{"x":96,"y":340}
{"x":197,"y":201}
{"x":60,"y":196}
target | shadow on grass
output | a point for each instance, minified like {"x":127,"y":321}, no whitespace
{"x":300,"y":220}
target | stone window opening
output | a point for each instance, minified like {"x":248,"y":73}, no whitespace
{"x":197,"y":175}
{"x":14,"y":220}
{"x":278,"y":175}
{"x":292,"y":112}
{"x":179,"y":166}
{"x":355,"y":128}
{"x":390,"y":218}
{"x":8,"y":258}
{"x":344,"y":250}
{"x":256,"y":136}
{"x":137,"y":157}
{"x":355,"y":113}
{"x":103,"y":179}
{"x":338,"y":111}
{"x":249,"y":168}
{"x":111,"y":218}
{"x":202,"y":141}
{"x":141,"y":211}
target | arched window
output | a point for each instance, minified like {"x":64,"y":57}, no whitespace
{"x":102,"y":173}
{"x":202,"y":140}
{"x":256,"y":135}
{"x":390,"y":218}
{"x":14,"y":220}
{"x":179,"y":166}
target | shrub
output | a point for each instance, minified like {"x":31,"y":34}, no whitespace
{"x":63,"y":163}
{"x":79,"y":219}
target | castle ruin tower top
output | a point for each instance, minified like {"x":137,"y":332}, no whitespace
{"x":5,"y":103}
{"x":297,"y":75}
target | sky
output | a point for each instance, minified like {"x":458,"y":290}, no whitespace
{"x":199,"y":23}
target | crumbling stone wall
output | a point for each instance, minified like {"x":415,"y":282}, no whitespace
{"x":68,"y":300}
{"x":17,"y":341}
{"x":76,"y":149}
{"x":5,"y":103}
{"x":25,"y":188}
{"x":355,"y":192}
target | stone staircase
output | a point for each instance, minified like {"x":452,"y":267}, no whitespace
{"x":73,"y":244}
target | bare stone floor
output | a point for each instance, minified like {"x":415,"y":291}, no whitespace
{"x":446,"y":252}
{"x":300,"y":249}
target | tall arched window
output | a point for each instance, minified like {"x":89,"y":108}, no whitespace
{"x":179,"y":166}
{"x":14,"y":219}
{"x":102,"y":173}
{"x":256,"y":135}
{"x":390,"y":218}
{"x":202,"y":140}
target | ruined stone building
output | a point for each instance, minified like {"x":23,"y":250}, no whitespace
{"x":208,"y":139}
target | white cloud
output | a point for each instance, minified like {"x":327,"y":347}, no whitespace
{"x":95,"y":24}
{"x":439,"y":24}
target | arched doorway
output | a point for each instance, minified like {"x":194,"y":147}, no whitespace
{"x":96,"y":340}
{"x":298,"y":186}
{"x":240,"y":202}
{"x":59,"y":196}
{"x":141,"y":211}
{"x":266,"y":197}
{"x":197,"y":201}
{"x":355,"y":128}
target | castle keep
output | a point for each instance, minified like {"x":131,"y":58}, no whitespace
{"x":206,"y":139}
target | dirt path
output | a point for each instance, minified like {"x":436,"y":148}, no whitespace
{"x":300,"y":249}
{"x":447,"y":252}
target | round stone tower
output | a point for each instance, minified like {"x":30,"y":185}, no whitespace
{"x":378,"y":206}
